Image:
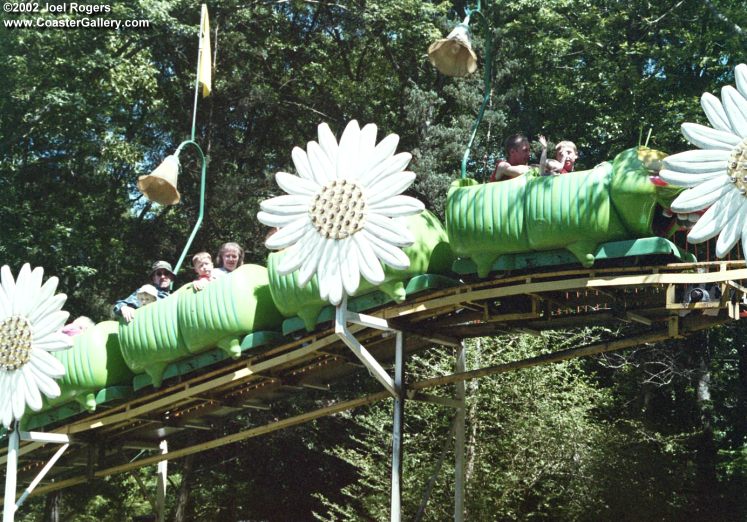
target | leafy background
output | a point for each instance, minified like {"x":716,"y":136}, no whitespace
{"x":657,"y":433}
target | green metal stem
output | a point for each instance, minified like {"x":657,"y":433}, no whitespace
{"x":487,"y":79}
{"x":202,"y":201}
{"x":192,"y":141}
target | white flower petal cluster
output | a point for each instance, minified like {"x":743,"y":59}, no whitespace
{"x":31,"y":318}
{"x":716,"y":173}
{"x":336,"y":219}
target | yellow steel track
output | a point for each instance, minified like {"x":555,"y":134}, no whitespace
{"x":647,"y":299}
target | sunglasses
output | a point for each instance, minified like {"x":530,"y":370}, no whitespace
{"x":163,"y":273}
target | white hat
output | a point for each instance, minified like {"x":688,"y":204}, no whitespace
{"x":147,"y":294}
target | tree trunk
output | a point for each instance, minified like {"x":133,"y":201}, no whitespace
{"x":52,"y":507}
{"x":706,"y":480}
{"x":184,"y":488}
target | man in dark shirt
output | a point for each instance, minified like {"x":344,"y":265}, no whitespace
{"x":162,"y":275}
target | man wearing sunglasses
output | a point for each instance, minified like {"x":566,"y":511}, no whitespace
{"x":161,"y":275}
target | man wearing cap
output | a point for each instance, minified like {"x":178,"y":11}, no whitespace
{"x":162,"y":275}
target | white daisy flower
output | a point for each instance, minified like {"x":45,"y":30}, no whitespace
{"x":31,"y":318}
{"x":716,"y":172}
{"x":336,"y":220}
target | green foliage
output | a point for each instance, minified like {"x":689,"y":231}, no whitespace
{"x":533,"y":441}
{"x":86,"y":112}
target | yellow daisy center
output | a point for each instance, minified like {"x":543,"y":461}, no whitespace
{"x":338,"y":210}
{"x":15,"y":342}
{"x":737,"y":166}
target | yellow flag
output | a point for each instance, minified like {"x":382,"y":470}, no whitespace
{"x":204,"y":67}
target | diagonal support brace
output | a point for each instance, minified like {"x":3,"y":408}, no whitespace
{"x":40,"y":476}
{"x":10,"y":507}
{"x":342,"y":316}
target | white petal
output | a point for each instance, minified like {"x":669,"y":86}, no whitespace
{"x":389,"y":254}
{"x":46,"y":384}
{"x":367,"y":146}
{"x":702,"y":196}
{"x":708,"y":138}
{"x":301,"y":161}
{"x":276,"y":220}
{"x":53,"y":342}
{"x":688,"y":179}
{"x":21,"y":304}
{"x":334,"y":281}
{"x":48,"y":289}
{"x":9,"y":284}
{"x":6,"y":391}
{"x":388,"y":230}
{"x":36,"y":288}
{"x":33,"y":398}
{"x":5,"y":403}
{"x":386,"y":169}
{"x":325,"y":268}
{"x":732,"y":231}
{"x":714,"y":111}
{"x":288,"y":235}
{"x":51,"y":305}
{"x":736,"y":109}
{"x":697,"y":160}
{"x":321,"y":276}
{"x":6,"y":307}
{"x":369,"y":264}
{"x":296,"y":185}
{"x":398,"y":206}
{"x":37,"y":274}
{"x":295,"y":255}
{"x":389,"y":187}
{"x":46,"y":363}
{"x":292,"y":259}
{"x":49,"y":324}
{"x":382,"y":152}
{"x":286,"y":204}
{"x":310,"y":264}
{"x":711,"y":223}
{"x":349,"y":267}
{"x":7,"y":413}
{"x":19,"y":395}
{"x":740,"y":75}
{"x":328,"y":142}
{"x":323,"y":170}
{"x":4,"y":385}
{"x":349,"y":161}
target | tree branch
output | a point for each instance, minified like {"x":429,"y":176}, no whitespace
{"x":718,"y":14}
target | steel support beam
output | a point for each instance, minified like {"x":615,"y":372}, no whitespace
{"x":162,"y":471}
{"x":342,"y":316}
{"x":11,"y":472}
{"x":397,"y":424}
{"x":459,"y":438}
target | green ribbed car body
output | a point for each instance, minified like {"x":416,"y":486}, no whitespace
{"x":189,"y":322}
{"x":576,"y":211}
{"x":430,"y":253}
{"x":94,"y":362}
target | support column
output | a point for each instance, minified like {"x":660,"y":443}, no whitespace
{"x":459,"y":438}
{"x":398,"y":421}
{"x":11,"y":471}
{"x":162,"y":472}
